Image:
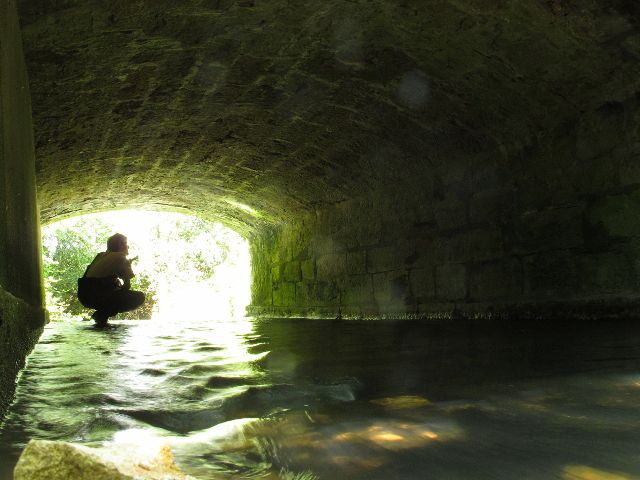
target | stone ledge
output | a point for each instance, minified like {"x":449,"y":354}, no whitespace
{"x":601,"y":308}
{"x":20,"y":327}
{"x":14,"y":307}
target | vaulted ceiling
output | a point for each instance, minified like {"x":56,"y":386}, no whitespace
{"x":251,"y":112}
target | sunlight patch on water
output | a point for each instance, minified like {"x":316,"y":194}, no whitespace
{"x":401,"y":435}
{"x":204,"y":355}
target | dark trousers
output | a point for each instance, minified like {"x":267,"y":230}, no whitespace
{"x":106,"y":297}
{"x":119,"y":301}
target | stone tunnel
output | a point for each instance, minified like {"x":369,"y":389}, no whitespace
{"x":385,"y":159}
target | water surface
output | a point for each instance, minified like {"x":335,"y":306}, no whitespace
{"x":342,"y":399}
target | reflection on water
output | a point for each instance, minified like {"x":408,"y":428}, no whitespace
{"x":311,"y":399}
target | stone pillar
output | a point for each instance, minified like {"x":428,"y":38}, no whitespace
{"x":22,"y":313}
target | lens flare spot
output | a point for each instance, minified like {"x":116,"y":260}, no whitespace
{"x":413,"y":90}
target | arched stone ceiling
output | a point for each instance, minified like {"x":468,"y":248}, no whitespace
{"x":253,"y":111}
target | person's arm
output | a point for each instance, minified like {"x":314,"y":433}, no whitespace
{"x":126,"y":273}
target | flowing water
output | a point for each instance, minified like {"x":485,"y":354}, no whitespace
{"x":342,"y":399}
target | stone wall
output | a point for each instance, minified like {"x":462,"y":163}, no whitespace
{"x":551,"y":227}
{"x":21,"y":295}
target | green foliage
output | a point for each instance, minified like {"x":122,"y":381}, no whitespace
{"x":144,"y":284}
{"x":173,"y":249}
{"x":66,"y":254}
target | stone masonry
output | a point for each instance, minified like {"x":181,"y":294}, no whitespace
{"x":383,"y":158}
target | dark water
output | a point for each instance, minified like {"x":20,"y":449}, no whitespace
{"x":304,"y":399}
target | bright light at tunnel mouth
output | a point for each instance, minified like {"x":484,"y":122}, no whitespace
{"x":188,"y":268}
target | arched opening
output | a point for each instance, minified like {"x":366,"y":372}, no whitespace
{"x":188,"y":268}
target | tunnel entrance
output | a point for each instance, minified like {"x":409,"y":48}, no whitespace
{"x":186,"y":266}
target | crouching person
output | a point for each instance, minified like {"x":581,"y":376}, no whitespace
{"x":106,"y":284}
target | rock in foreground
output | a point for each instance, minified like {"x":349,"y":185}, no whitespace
{"x":47,"y":460}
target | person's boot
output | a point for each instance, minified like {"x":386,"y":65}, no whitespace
{"x":100,"y":318}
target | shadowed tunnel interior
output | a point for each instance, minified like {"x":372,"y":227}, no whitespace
{"x":400,"y":159}
{"x":382,"y":157}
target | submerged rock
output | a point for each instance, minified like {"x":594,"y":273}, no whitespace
{"x":583,"y":472}
{"x":47,"y":460}
{"x":401,"y":402}
{"x":223,"y":437}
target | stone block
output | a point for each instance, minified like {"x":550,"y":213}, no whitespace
{"x":488,"y":173}
{"x":443,"y":250}
{"x":479,"y":245}
{"x":536,"y":190}
{"x":631,"y":250}
{"x":550,"y":274}
{"x":451,"y":281}
{"x":317,"y":294}
{"x":629,"y":164}
{"x":450,"y":213}
{"x":394,"y":224}
{"x":595,"y":176}
{"x":284,"y":253}
{"x":331,"y":266}
{"x":384,"y":259}
{"x":308,"y":269}
{"x":299,"y":251}
{"x":550,"y":229}
{"x":284,"y":294}
{"x":422,"y":283}
{"x":423,"y":212}
{"x":303,"y":298}
{"x":454,"y":176}
{"x":357,"y":262}
{"x":275,"y":273}
{"x":291,"y":271}
{"x":261,"y":286}
{"x":496,"y":280}
{"x":324,"y":244}
{"x":422,"y":254}
{"x":367,"y":229}
{"x":474,"y":245}
{"x":391,"y":291}
{"x":601,"y":130}
{"x":491,"y":206}
{"x":393,"y":229}
{"x":608,"y":272}
{"x":358,"y":291}
{"x":616,"y":215}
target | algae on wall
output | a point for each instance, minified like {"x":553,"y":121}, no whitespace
{"x":22,"y":313}
{"x":485,"y":242}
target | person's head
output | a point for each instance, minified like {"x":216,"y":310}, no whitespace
{"x":117,"y":243}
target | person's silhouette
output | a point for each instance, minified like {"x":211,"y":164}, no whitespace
{"x":106,"y":283}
